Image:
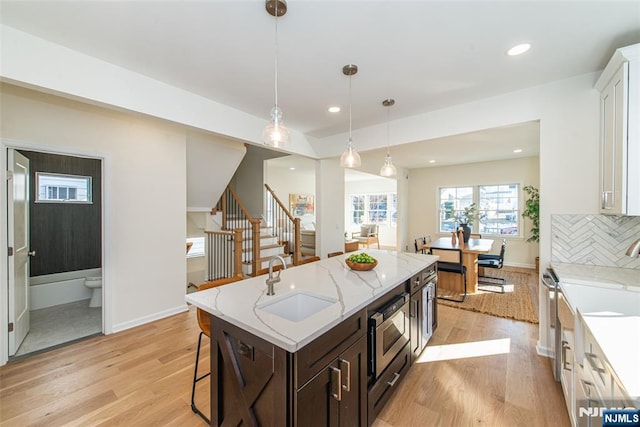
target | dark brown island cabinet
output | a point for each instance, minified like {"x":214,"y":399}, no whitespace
{"x":328,"y":382}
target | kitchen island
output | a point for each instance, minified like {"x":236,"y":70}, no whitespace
{"x":300,"y":357}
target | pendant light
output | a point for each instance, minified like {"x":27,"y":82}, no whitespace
{"x":387,"y":168}
{"x":350,"y":158}
{"x":275,"y":134}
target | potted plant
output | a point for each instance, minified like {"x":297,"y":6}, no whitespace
{"x":466,"y":218}
{"x":532,"y":211}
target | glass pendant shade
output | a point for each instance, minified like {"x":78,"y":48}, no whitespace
{"x":388,"y":169}
{"x":275,"y":134}
{"x":350,"y":158}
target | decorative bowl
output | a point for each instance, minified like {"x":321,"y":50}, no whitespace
{"x":361,"y":266}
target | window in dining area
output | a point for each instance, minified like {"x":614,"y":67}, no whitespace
{"x":498,"y":207}
{"x":452,"y":201}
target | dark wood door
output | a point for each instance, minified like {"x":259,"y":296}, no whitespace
{"x":416,"y":312}
{"x":337,"y":396}
{"x":353,"y":366}
{"x":316,"y":404}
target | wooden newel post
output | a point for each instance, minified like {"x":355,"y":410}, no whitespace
{"x":255,"y":248}
{"x":297,"y":255}
{"x":237,"y":252}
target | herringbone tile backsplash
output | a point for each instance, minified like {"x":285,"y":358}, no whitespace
{"x":594,"y":239}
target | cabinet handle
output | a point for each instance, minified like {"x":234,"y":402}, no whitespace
{"x":394,"y":380}
{"x":336,"y":373}
{"x":347,"y":365}
{"x":586,"y":386}
{"x":565,"y":347}
{"x":413,"y":309}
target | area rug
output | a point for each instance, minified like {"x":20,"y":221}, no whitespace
{"x":515,"y":303}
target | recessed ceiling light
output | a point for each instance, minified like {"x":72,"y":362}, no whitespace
{"x":334,"y":109}
{"x":432,"y":161}
{"x":292,"y":169}
{"x":518,"y":150}
{"x":519,"y":49}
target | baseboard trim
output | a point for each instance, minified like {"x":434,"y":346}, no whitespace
{"x":150,"y":318}
{"x":518,"y":264}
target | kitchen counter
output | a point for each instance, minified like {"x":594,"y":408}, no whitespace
{"x":608,"y":300}
{"x":242,"y":303}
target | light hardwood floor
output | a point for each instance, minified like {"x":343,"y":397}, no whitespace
{"x":142,"y":377}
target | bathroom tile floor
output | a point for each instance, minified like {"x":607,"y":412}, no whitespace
{"x":60,"y":324}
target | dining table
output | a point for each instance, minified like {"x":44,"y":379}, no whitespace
{"x":470,"y":252}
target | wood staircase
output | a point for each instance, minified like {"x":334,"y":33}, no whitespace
{"x":245,"y":244}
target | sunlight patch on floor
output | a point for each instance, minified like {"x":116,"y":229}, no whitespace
{"x":465,"y":350}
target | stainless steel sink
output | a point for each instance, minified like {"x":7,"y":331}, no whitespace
{"x":298,"y":305}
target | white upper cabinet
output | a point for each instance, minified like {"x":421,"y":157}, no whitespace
{"x":619,"y":87}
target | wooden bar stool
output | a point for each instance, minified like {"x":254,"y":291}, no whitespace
{"x":204,"y":321}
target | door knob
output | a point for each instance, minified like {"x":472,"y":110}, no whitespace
{"x":31,"y":253}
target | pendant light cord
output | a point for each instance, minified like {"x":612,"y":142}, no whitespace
{"x":388,"y":132}
{"x":276,"y":60}
{"x":349,"y":110}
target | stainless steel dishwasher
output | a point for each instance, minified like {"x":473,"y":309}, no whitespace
{"x":554,"y":333}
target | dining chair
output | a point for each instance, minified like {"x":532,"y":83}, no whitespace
{"x":450,"y":261}
{"x":475,"y":236}
{"x":204,"y":322}
{"x":420,"y":244}
{"x":492,"y":261}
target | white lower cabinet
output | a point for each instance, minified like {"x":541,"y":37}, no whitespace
{"x":595,"y":384}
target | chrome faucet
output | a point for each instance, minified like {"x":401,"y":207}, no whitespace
{"x":271,"y":279}
{"x":634,"y":249}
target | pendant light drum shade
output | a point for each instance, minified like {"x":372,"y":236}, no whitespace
{"x":350,"y":158}
{"x":275,"y":134}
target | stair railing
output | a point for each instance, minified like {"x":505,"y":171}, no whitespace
{"x":283,"y":224}
{"x":223,"y":253}
{"x":234,"y":216}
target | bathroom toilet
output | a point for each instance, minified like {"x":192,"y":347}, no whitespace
{"x":94,"y":283}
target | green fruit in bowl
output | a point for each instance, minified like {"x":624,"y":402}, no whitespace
{"x":362,"y":258}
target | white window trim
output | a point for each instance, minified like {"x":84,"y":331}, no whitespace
{"x":88,"y":179}
{"x":389,"y":223}
{"x":476,"y":199}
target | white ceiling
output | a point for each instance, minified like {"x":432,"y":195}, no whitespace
{"x":427,"y":55}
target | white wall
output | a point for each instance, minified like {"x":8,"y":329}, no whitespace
{"x":144,"y":195}
{"x":423,"y":193}
{"x":329,"y":207}
{"x":205,"y":184}
{"x":284,"y":182}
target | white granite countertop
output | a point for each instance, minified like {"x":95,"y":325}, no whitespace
{"x":608,"y":300}
{"x":240,"y":303}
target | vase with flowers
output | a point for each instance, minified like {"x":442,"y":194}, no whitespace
{"x":465,"y":218}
